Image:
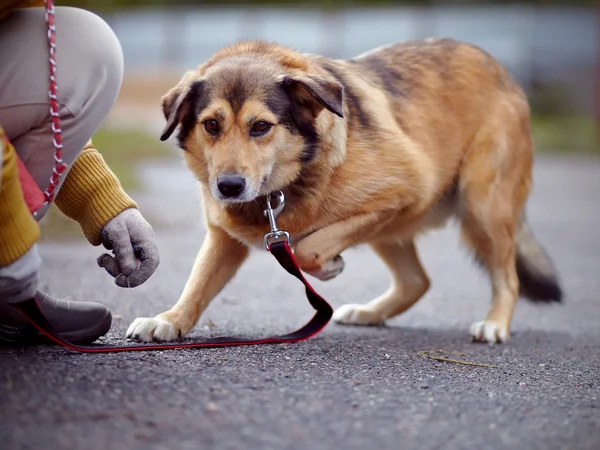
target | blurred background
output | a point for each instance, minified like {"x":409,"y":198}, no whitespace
{"x":551,"y":47}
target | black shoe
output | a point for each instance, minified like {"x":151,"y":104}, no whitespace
{"x":76,"y":322}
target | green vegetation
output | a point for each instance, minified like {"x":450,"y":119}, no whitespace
{"x":568,"y":134}
{"x":558,"y":124}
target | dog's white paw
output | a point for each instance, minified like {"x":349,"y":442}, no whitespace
{"x":488,"y":331}
{"x":330,"y":269}
{"x":145,"y":329}
{"x":352,"y":314}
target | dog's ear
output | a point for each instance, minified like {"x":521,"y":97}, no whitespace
{"x":315,"y":93}
{"x":179,"y":102}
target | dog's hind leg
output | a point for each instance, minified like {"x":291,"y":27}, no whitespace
{"x":494,"y":184}
{"x":409,"y":284}
{"x":492,"y":239}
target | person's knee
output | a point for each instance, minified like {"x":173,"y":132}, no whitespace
{"x":93,"y":54}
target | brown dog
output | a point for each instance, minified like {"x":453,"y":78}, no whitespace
{"x":375,"y":149}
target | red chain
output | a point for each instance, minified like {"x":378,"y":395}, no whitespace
{"x":59,"y":165}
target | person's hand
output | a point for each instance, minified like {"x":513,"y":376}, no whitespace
{"x":131,"y":238}
{"x":19,"y":280}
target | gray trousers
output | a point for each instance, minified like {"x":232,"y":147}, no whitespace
{"x":89,"y":75}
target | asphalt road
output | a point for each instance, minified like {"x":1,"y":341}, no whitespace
{"x":349,"y":387}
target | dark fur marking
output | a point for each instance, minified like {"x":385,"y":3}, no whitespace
{"x":237,"y":93}
{"x":391,"y":78}
{"x":354,"y":106}
{"x":451,"y":191}
{"x":248,"y":79}
{"x":194,"y":102}
{"x":311,"y":141}
{"x":535,"y":286}
{"x":306,"y":185}
{"x":281,"y":103}
{"x":535,"y":283}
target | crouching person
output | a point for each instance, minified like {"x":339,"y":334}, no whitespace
{"x":89,"y":76}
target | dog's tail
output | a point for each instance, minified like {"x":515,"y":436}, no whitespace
{"x":538,"y":279}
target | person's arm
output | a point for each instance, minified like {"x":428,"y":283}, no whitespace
{"x":18,"y":229}
{"x":91,"y":194}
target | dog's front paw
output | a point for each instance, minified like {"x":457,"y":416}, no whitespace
{"x":157,"y":329}
{"x":330,"y":269}
{"x":352,"y":314}
{"x":488,"y":331}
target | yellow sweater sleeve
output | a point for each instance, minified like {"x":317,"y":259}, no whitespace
{"x":18,"y":229}
{"x":91,"y":194}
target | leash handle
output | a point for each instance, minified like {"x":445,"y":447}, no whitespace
{"x":282,"y":253}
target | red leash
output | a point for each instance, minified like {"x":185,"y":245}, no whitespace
{"x":276,"y":242}
{"x":280,"y":250}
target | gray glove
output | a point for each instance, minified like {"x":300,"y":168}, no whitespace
{"x":131,"y":238}
{"x":19,"y":280}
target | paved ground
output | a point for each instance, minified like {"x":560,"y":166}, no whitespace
{"x":351,"y":388}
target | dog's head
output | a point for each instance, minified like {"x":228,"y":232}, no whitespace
{"x":248,"y":119}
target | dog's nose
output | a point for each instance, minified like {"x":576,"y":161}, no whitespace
{"x":231,"y":185}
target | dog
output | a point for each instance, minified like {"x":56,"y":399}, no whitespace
{"x":373,"y":150}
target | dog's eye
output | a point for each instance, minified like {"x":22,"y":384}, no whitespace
{"x":261,"y":127}
{"x":211,"y":126}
